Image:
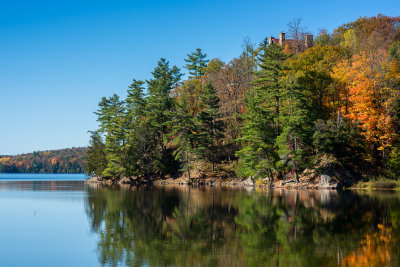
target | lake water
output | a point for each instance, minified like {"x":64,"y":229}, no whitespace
{"x":54,"y":221}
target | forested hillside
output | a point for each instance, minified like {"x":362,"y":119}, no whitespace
{"x":70,"y":160}
{"x":276,"y":109}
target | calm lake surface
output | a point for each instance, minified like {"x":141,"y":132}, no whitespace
{"x":56,"y":220}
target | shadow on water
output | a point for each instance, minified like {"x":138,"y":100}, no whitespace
{"x":182,"y":226}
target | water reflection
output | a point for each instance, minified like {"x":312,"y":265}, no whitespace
{"x":184,"y":226}
{"x":41,"y":185}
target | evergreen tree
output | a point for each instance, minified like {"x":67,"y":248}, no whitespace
{"x":160,"y":106}
{"x":184,"y":128}
{"x":268,"y":82}
{"x":340,"y":139}
{"x":196,"y":63}
{"x":296,"y":130}
{"x":111,"y":115}
{"x":135,"y":101}
{"x":95,"y":155}
{"x":257,"y":157}
{"x":211,"y":125}
{"x":139,"y":146}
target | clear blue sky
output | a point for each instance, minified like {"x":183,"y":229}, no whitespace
{"x":58,"y":58}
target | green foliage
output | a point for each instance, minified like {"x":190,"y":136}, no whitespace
{"x":323,"y":39}
{"x":268,"y":80}
{"x":183,"y":131}
{"x":211,"y":126}
{"x":160,"y":106}
{"x":394,"y":51}
{"x":112,"y":119}
{"x":96,"y":161}
{"x":258,"y":155}
{"x":294,"y":139}
{"x":196,"y":63}
{"x":394,"y":161}
{"x":340,"y":139}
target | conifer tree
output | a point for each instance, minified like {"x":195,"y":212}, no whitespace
{"x":211,"y":125}
{"x":196,"y":63}
{"x":111,"y":115}
{"x":139,"y":145}
{"x":268,"y":78}
{"x":160,"y":105}
{"x":135,"y":101}
{"x":183,"y":130}
{"x":258,"y":155}
{"x":95,"y":155}
{"x":296,"y":130}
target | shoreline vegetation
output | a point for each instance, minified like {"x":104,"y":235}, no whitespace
{"x":294,"y":112}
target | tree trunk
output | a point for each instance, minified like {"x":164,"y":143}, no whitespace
{"x":188,"y":168}
{"x":277,"y":114}
{"x":296,"y":176}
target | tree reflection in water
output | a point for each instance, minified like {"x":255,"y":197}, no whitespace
{"x":182,"y":226}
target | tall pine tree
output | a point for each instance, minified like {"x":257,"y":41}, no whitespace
{"x":196,"y":63}
{"x":296,"y":125}
{"x":183,"y":131}
{"x":268,"y":81}
{"x":111,"y":116}
{"x":160,"y":107}
{"x":211,"y":125}
{"x":258,"y":156}
{"x":139,"y":145}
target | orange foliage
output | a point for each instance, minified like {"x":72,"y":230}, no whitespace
{"x":368,"y":98}
{"x":375,"y":250}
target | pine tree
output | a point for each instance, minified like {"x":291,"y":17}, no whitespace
{"x":160,"y":106}
{"x":183,"y":130}
{"x":139,"y":145}
{"x":135,"y":101}
{"x":95,"y":155}
{"x":211,"y":125}
{"x":111,"y":116}
{"x":196,"y":63}
{"x":258,"y":155}
{"x":296,"y":130}
{"x":268,"y":78}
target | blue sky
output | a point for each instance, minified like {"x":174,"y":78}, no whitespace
{"x":58,"y":58}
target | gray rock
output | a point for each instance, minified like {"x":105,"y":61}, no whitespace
{"x":326,"y":181}
{"x":248,"y":182}
{"x":125,"y":180}
{"x":93,"y":180}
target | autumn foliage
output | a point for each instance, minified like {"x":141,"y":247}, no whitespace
{"x":69,"y":160}
{"x":280,"y":108}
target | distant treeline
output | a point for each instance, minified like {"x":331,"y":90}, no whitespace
{"x":70,"y":160}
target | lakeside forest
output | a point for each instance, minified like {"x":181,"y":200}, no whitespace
{"x":271,"y":112}
{"x":70,"y":160}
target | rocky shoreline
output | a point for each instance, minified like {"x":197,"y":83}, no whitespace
{"x":326,"y":174}
{"x":210,"y":182}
